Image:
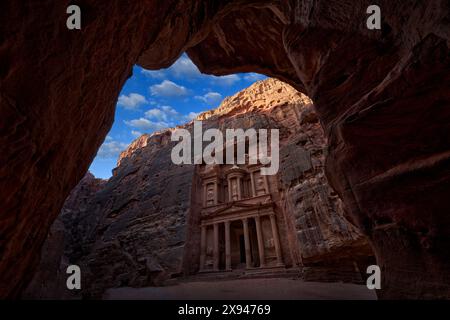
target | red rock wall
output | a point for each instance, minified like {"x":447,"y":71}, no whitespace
{"x":141,"y":227}
{"x":382,"y":97}
{"x":63,"y":245}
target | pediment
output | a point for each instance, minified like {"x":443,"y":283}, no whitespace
{"x":234,"y":207}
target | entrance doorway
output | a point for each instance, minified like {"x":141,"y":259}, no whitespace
{"x":237,"y":239}
{"x":242,"y":248}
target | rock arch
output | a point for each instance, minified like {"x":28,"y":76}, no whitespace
{"x":382,"y":97}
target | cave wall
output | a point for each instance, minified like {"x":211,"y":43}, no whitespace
{"x":382,"y":97}
{"x":58,"y":90}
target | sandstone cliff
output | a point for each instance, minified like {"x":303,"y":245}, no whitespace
{"x":64,"y":244}
{"x":381,"y":95}
{"x":139,"y":227}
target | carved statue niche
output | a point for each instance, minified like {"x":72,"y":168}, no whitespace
{"x":235,"y":177}
{"x":234,"y":190}
{"x":260,"y":184}
{"x":248,"y":187}
{"x":210,"y":194}
{"x":225,"y":192}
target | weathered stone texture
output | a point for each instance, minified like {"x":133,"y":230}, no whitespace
{"x":382,"y":97}
{"x":140,"y":227}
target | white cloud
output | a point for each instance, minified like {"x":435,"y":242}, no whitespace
{"x":169,"y":115}
{"x":136,"y":133}
{"x":111,"y":149}
{"x":132,"y":101}
{"x":211,"y":98}
{"x":155,"y":74}
{"x":163,"y":113}
{"x":192,"y":115}
{"x":147,"y":125}
{"x":168,"y":88}
{"x":227,"y":80}
{"x":155,"y":113}
{"x":160,"y":118}
{"x":184,"y":68}
{"x":252,"y":77}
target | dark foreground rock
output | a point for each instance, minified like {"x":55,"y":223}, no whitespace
{"x":382,"y":97}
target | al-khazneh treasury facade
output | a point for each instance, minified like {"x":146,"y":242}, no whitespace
{"x":239,"y":223}
{"x":245,"y":220}
{"x":154,"y":220}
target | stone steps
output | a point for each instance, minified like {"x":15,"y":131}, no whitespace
{"x":315,"y":274}
{"x":329,"y":274}
{"x":276,"y":272}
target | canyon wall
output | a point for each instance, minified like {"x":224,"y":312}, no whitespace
{"x":63,"y":245}
{"x":381,"y":95}
{"x":140,"y":228}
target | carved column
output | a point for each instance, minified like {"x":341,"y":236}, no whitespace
{"x":202,"y":248}
{"x":230,"y":192}
{"x":259,"y":235}
{"x":227,"y":246}
{"x":248,"y":256}
{"x":234,"y":175}
{"x":216,"y":246}
{"x":266,"y":184}
{"x":253,"y":184}
{"x":276,"y":240}
{"x":239,"y":189}
{"x":216,"y":193}
{"x":205,"y":195}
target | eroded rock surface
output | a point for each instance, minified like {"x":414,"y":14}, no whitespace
{"x":382,"y":97}
{"x":141,"y":228}
{"x":64,"y":244}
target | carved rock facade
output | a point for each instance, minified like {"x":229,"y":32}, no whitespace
{"x":382,"y":97}
{"x":154,"y":220}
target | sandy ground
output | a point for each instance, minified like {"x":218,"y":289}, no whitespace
{"x":252,"y":289}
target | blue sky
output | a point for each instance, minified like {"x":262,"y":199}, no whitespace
{"x":154,"y":100}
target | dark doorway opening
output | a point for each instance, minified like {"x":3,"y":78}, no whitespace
{"x":242,"y":248}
